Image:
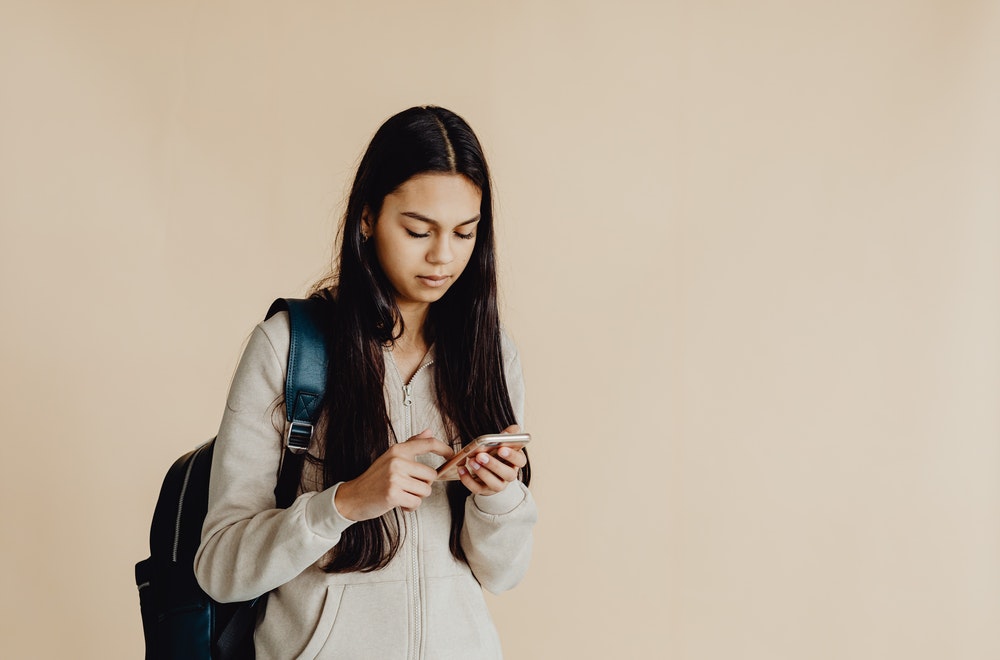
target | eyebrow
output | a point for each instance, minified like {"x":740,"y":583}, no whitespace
{"x":424,"y":218}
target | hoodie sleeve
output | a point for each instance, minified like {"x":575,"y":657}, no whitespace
{"x":497,"y":535}
{"x":249,"y":547}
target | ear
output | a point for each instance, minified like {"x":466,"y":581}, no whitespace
{"x":367,"y":222}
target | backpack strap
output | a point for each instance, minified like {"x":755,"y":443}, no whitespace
{"x":305,"y":384}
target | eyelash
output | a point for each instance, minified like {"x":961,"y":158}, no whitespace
{"x":467,"y":237}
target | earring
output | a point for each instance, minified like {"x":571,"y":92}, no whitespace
{"x":364,"y":237}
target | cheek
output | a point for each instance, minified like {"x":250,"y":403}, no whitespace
{"x":391,"y":258}
{"x":467,"y":253}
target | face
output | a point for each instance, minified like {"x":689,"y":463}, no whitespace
{"x":424,"y":235}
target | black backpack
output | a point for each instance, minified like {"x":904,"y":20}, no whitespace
{"x":179,"y":620}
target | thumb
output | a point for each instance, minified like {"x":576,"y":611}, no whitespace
{"x":513,"y":428}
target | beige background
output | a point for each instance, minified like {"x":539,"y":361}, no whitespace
{"x":750,"y":251}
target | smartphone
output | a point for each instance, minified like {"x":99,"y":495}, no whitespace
{"x":490,"y":442}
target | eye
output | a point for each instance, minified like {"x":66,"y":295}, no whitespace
{"x":467,"y":237}
{"x":416,"y":235}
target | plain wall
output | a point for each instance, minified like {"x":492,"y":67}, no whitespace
{"x":750,"y":253}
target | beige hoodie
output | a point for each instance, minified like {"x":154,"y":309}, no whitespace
{"x":424,"y":604}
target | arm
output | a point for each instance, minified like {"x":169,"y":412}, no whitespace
{"x":497,"y":535}
{"x":248,"y":547}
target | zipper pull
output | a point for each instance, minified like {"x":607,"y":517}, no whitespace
{"x":407,"y":396}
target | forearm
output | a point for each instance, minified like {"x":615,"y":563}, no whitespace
{"x":497,"y":536}
{"x":247,"y":557}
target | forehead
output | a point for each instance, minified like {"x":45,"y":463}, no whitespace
{"x":446,"y":198}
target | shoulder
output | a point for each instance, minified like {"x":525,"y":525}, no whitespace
{"x":276,"y":331}
{"x":260,"y":375}
{"x":513,"y":374}
{"x":507,"y":345}
{"x":509,"y":352}
{"x":266,"y":350}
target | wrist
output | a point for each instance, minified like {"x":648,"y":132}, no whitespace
{"x":322,"y":515}
{"x":343,"y":502}
{"x":500,"y":503}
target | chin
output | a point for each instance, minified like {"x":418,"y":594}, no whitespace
{"x":424,"y":296}
{"x":434,"y":297}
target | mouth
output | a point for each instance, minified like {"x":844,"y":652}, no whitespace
{"x":434,"y":280}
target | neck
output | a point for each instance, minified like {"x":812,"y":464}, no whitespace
{"x":414,"y":316}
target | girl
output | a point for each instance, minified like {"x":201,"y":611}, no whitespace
{"x":376,"y":559}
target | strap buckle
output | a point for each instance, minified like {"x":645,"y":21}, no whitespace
{"x":299,"y":436}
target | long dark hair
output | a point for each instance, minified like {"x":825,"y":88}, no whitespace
{"x":464,"y":325}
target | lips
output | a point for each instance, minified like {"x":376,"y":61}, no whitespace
{"x":433,"y":280}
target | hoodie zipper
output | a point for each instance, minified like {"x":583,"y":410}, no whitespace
{"x":408,"y":397}
{"x":412,"y":530}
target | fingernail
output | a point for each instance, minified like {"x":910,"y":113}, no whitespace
{"x":461,"y":471}
{"x":504,"y":452}
{"x":474,"y":466}
{"x":484,"y":458}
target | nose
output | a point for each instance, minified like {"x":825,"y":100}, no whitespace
{"x":440,"y":252}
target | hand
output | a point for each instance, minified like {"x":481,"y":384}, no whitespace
{"x":484,"y":474}
{"x":394,"y":479}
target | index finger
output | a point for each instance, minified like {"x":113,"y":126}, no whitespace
{"x":416,"y":446}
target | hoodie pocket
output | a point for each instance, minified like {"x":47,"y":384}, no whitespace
{"x":376,"y":620}
{"x":320,"y":635}
{"x":465,"y":630}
